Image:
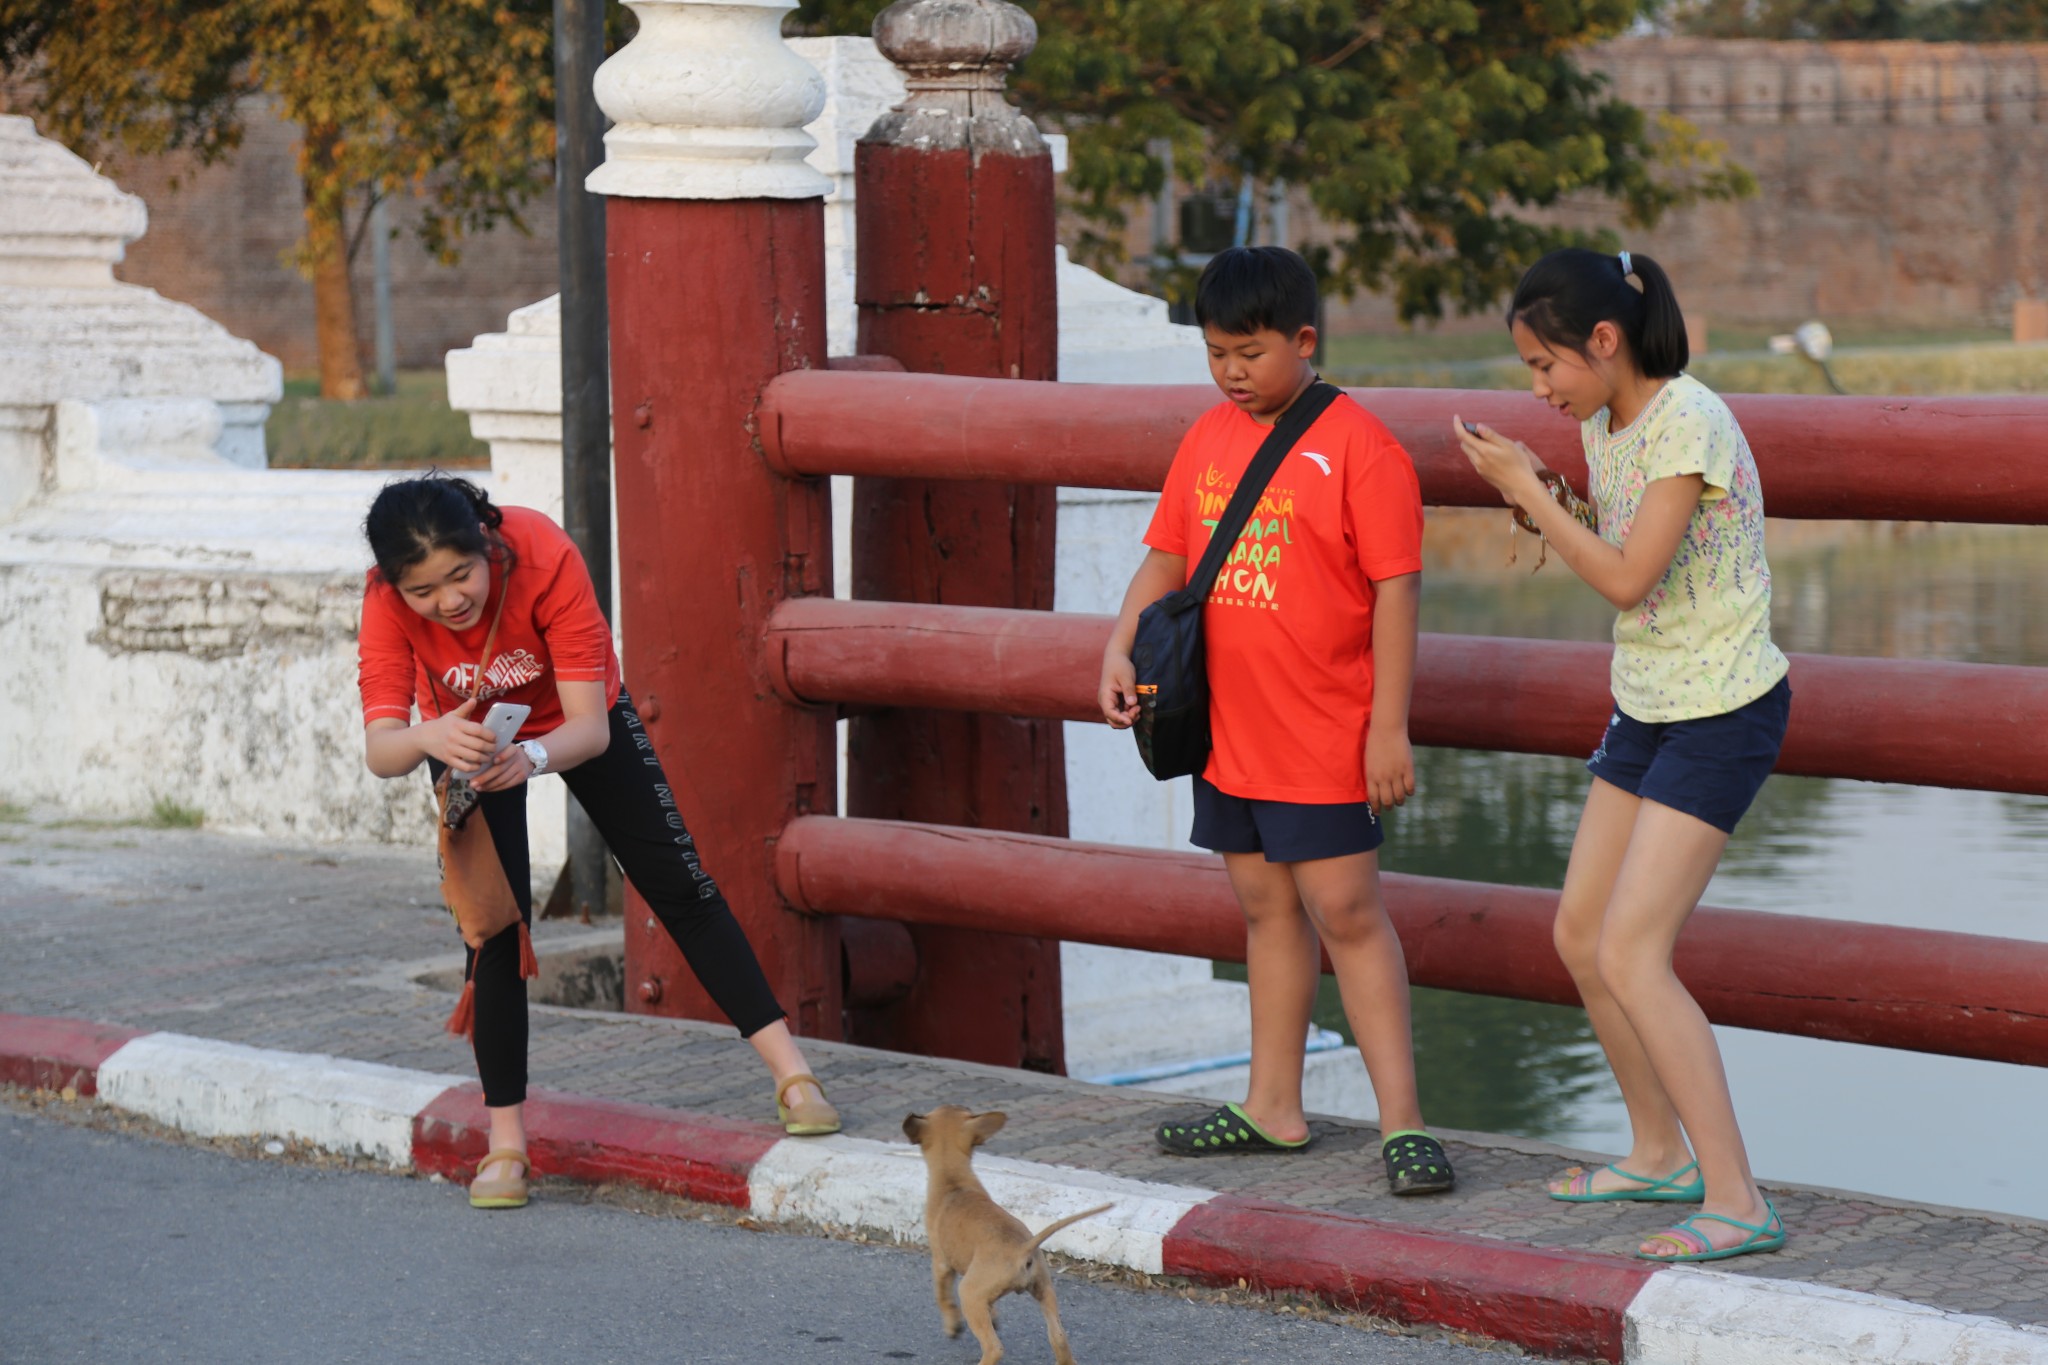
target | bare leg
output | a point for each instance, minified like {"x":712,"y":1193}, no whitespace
{"x":777,"y":1047}
{"x":508,"y":1133}
{"x":1283,"y":962}
{"x":1670,"y":859}
{"x":1658,"y":1146}
{"x":1343,"y":899}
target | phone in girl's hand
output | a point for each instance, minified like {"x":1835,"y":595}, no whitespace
{"x":1472,"y":427}
{"x":503,"y":721}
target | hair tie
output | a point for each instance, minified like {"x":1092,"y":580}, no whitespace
{"x":1627,"y":266}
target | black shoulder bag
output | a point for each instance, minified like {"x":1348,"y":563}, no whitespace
{"x":1173,"y":675}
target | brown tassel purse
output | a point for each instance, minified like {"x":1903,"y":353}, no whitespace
{"x":473,"y":882}
{"x":1561,"y":490}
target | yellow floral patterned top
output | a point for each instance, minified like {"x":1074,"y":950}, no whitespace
{"x":1700,"y":643}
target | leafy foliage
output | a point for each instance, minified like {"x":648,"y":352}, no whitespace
{"x":452,"y":102}
{"x":1434,"y":132}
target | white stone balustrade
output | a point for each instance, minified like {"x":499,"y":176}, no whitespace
{"x":177,"y":622}
{"x":170,"y":388}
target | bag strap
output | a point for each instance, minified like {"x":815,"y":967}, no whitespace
{"x":1287,"y":432}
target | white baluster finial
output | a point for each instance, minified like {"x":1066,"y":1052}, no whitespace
{"x":708,"y":102}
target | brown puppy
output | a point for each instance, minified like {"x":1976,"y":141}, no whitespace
{"x":973,"y":1239}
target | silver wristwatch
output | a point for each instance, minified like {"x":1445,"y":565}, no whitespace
{"x":535,"y":752}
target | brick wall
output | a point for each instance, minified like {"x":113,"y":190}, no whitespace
{"x":1903,"y":182}
{"x":220,"y":239}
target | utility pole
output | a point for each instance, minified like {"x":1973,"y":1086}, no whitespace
{"x":586,"y":371}
{"x":380,"y":258}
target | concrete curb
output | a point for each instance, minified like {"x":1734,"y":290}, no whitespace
{"x":1549,"y":1301}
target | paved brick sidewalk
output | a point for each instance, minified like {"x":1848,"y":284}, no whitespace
{"x":311,"y":948}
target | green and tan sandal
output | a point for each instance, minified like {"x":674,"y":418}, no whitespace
{"x":500,"y":1192}
{"x":805,"y":1118}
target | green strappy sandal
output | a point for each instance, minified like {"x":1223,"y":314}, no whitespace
{"x":1229,"y":1129}
{"x":1672,"y":1189}
{"x":1694,"y":1245}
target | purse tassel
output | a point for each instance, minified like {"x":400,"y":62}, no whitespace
{"x":462,"y":1023}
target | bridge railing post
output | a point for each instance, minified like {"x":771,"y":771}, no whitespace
{"x":955,"y":275}
{"x":715,"y":266}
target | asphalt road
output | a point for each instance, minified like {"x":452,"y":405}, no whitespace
{"x":115,"y":1248}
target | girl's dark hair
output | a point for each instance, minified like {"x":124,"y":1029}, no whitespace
{"x":1568,"y":293}
{"x":413,"y":518}
{"x":1246,"y":289}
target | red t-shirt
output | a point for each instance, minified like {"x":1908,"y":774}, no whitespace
{"x":1288,"y":624}
{"x":552,"y":632}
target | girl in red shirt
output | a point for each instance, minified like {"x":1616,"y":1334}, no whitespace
{"x":450,"y":568}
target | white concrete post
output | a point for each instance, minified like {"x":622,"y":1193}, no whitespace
{"x":169,"y":386}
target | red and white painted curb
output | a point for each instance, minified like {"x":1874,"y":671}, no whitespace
{"x":1547,"y":1300}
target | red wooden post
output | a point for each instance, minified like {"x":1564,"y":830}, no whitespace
{"x":715,"y":258}
{"x":955,"y":214}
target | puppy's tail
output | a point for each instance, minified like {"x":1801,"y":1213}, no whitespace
{"x":1064,"y":1222}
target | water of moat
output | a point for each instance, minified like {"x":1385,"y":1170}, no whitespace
{"x":1938,"y":1129}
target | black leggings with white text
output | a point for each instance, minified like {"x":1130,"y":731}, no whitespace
{"x":629,"y":800}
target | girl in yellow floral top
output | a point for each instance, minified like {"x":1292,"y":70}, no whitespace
{"x":1700,"y":707}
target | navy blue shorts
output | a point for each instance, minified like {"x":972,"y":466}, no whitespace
{"x":1285,"y":831}
{"x":1710,"y":768}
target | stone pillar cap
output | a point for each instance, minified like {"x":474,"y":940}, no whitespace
{"x":61,"y":222}
{"x":956,"y":57}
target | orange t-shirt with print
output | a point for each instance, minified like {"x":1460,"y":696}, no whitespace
{"x":552,"y":631}
{"x":1288,"y":624}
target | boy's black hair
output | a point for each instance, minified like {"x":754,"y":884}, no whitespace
{"x":1568,"y":293}
{"x":1247,"y":289}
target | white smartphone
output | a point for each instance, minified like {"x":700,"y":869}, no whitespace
{"x":503,"y":721}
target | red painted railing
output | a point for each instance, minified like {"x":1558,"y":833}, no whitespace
{"x":1962,"y":994}
{"x":1942,"y":724}
{"x":1982,"y":726}
{"x":1908,"y":459}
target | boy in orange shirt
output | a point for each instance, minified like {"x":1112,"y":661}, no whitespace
{"x":1310,"y":638}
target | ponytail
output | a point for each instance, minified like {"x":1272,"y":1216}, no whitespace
{"x":1568,"y":293}
{"x":413,"y":518}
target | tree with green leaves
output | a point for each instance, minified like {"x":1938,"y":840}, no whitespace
{"x":451,"y":103}
{"x":1435,"y":134}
